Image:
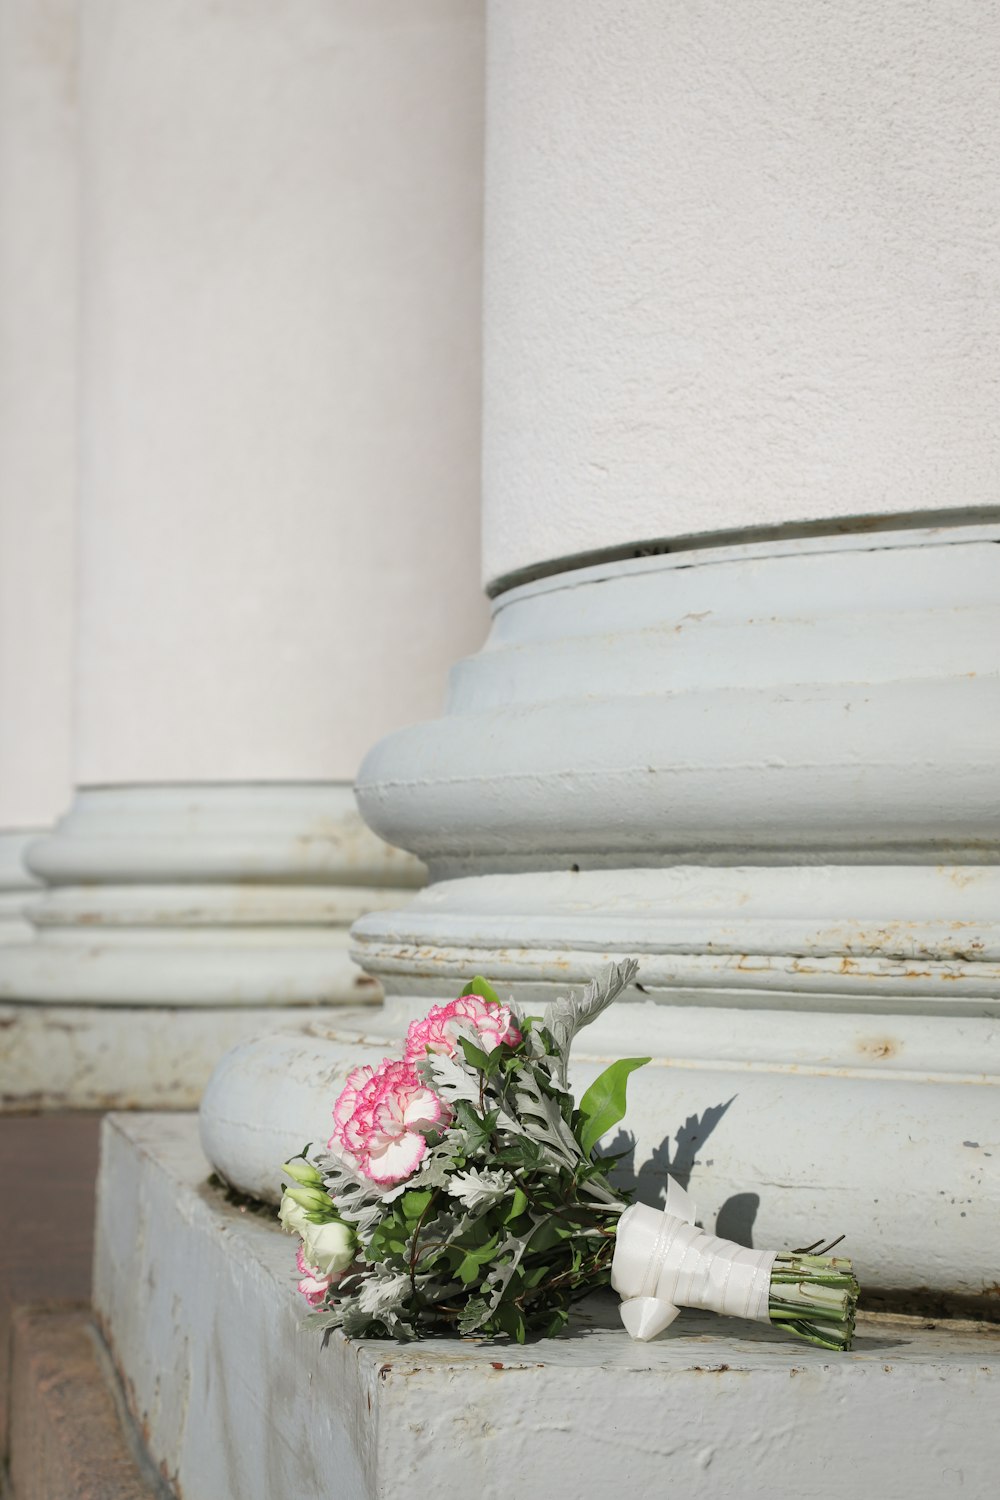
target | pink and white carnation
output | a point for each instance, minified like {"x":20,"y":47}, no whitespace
{"x":440,"y":1029}
{"x":380,"y":1117}
{"x":313,"y":1286}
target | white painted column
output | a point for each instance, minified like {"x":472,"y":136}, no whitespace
{"x":738,"y":714}
{"x":740,"y":275}
{"x":281,"y":287}
{"x":38,"y":354}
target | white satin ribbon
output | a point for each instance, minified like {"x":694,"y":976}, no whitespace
{"x":663,"y":1263}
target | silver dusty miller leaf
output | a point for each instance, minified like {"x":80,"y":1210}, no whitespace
{"x":568,"y":1014}
{"x":383,"y":1292}
{"x":357,"y":1199}
{"x":476,"y":1189}
{"x":449,"y":1079}
{"x":539,"y":1119}
{"x":452,"y":1080}
{"x":496,"y":1282}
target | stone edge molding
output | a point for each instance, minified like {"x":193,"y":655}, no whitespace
{"x":203,"y":895}
{"x":17,"y":884}
{"x":825,"y":702}
{"x":179,"y":1269}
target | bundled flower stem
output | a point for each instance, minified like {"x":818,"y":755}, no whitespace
{"x":461,"y":1194}
{"x":814,"y":1297}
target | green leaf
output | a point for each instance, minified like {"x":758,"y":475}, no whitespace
{"x":414,"y":1203}
{"x":470,"y":1268}
{"x":546,"y":1236}
{"x":557,"y":1322}
{"x":603,"y":1105}
{"x":482,"y":987}
{"x":509,"y":1319}
{"x":474,"y":1056}
{"x":478,"y":1130}
{"x":522,"y":1152}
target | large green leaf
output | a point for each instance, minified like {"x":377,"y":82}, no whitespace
{"x":603,"y":1105}
{"x":482,"y":987}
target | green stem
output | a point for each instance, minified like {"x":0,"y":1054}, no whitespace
{"x":814,"y":1297}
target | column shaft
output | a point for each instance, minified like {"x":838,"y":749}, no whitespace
{"x":38,"y":420}
{"x":281,"y":267}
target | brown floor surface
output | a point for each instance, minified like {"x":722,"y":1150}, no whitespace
{"x":67,"y":1436}
{"x":48,"y":1172}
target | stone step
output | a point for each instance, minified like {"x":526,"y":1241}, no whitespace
{"x":197,"y":1300}
{"x":67,"y":1437}
{"x":48,"y":1171}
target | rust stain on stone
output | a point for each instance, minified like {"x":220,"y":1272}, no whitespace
{"x":878,"y":1046}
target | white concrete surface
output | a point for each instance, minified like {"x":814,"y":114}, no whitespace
{"x":249,"y":1406}
{"x":38,"y":434}
{"x":742,"y":267}
{"x":94,"y":1056}
{"x":281,"y":335}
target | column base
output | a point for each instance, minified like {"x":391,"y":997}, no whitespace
{"x":174,"y":922}
{"x":17,"y":884}
{"x":767,"y":771}
{"x":197,"y":1298}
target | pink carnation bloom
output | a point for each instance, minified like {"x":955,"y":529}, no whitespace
{"x":379,"y":1117}
{"x":313,"y":1286}
{"x":438,"y":1031}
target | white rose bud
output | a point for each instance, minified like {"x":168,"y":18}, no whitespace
{"x":313,"y":1200}
{"x":329,"y":1248}
{"x":303,"y":1172}
{"x":294,"y":1219}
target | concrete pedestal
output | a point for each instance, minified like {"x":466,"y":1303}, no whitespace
{"x":249,"y":1406}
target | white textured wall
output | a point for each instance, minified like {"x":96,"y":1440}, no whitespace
{"x":281,"y":284}
{"x":37,"y":405}
{"x":741,"y":267}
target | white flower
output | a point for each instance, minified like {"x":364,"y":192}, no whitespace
{"x":294,"y":1219}
{"x":329,"y":1248}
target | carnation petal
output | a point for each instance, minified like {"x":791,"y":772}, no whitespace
{"x":424,"y":1108}
{"x":398,"y":1159}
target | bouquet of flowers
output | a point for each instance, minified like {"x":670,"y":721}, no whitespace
{"x":461,"y":1193}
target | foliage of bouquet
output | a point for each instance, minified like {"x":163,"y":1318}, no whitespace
{"x":461,"y":1193}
